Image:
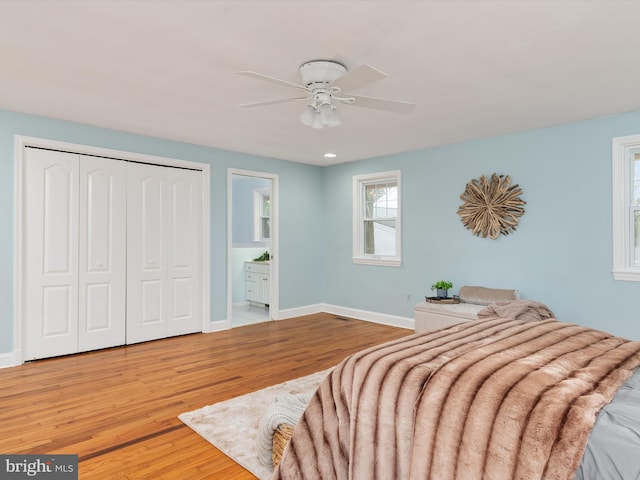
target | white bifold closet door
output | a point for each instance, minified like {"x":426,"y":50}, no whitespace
{"x":102,"y":254}
{"x":163,"y":252}
{"x":74,"y":253}
{"x":111,"y":252}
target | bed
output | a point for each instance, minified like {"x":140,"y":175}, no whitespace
{"x":496,"y":398}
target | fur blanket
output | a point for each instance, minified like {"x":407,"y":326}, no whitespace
{"x":529,"y":310}
{"x":494,"y":398}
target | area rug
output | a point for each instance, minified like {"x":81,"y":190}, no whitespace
{"x":232,"y":425}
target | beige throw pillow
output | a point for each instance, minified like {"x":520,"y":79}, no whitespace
{"x":487,"y":296}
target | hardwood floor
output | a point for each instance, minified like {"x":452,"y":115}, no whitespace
{"x":117,"y":408}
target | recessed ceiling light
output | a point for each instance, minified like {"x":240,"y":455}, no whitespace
{"x":329,"y":155}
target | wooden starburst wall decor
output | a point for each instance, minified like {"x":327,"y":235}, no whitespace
{"x":491,"y":207}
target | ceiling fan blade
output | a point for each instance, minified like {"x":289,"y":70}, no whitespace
{"x":269,"y":78}
{"x":271,"y":102}
{"x":396,"y":106}
{"x":363,"y":75}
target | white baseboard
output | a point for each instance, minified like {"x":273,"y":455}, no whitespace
{"x":216,"y":326}
{"x":300,"y":311}
{"x":11,"y":359}
{"x":373,"y":317}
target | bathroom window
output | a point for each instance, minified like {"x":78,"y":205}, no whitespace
{"x":262,"y":215}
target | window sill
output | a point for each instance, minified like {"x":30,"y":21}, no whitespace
{"x":627,"y":275}
{"x":385,"y":262}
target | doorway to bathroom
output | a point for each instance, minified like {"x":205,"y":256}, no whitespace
{"x":252,"y":244}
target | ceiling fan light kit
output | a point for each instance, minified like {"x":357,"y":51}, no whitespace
{"x":324,"y":81}
{"x":320,"y":112}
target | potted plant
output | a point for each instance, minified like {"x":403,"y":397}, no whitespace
{"x":265,"y":257}
{"x":441,"y":288}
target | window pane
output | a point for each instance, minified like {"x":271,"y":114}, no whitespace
{"x":266,"y":227}
{"x":380,"y":237}
{"x":636,"y":238}
{"x":381,"y":200}
{"x":370,"y":193}
{"x":636,"y":180}
{"x":266,"y":206}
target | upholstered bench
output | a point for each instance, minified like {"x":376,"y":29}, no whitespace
{"x":432,"y":316}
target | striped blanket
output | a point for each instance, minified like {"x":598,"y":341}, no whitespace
{"x":493,"y":399}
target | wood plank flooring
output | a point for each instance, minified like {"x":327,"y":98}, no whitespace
{"x":117,"y":408}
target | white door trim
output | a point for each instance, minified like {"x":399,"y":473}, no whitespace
{"x":274,"y":270}
{"x":20,"y":143}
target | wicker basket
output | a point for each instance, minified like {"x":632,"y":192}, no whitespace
{"x":280,"y":438}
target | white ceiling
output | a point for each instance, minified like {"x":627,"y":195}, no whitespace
{"x":167,"y":68}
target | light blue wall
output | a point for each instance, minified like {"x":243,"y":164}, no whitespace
{"x":299,"y":232}
{"x":560,"y":254}
{"x":302,"y":252}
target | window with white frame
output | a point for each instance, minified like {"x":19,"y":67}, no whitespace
{"x":261,"y":214}
{"x":376,"y":218}
{"x":626,"y":207}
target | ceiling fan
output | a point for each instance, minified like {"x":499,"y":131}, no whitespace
{"x":325,"y":82}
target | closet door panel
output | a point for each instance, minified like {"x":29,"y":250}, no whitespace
{"x":184,"y":247}
{"x":102,"y":253}
{"x":150,"y":203}
{"x":146,"y":252}
{"x":98,"y":314}
{"x":151,"y":304}
{"x":57,"y":313}
{"x":51,"y":244}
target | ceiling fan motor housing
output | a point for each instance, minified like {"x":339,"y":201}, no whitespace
{"x":319,"y":73}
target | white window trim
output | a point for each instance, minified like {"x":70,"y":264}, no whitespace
{"x":358,"y":235}
{"x":623,"y":149}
